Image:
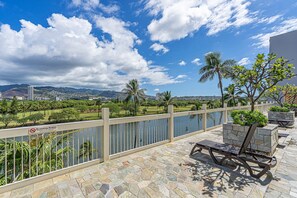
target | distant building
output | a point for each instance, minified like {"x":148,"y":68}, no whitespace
{"x":19,"y":97}
{"x":286,"y":45}
{"x":30,"y":93}
{"x":0,"y":96}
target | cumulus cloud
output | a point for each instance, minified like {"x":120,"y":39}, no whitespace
{"x":182,"y":63}
{"x":244,"y":61}
{"x":93,"y":4}
{"x":176,"y":19}
{"x":196,"y":61}
{"x":262,"y":40}
{"x":159,"y":47}
{"x":156,"y":90}
{"x":67,"y":54}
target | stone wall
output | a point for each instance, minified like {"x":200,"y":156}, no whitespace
{"x":265,"y":138}
{"x":274,"y":116}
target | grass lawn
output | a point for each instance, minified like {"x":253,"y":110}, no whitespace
{"x":94,"y":115}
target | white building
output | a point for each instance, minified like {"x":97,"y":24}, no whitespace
{"x":286,"y":45}
{"x":30,"y":93}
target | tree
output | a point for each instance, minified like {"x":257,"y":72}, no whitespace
{"x":265,"y":73}
{"x":70,"y":113}
{"x":14,"y":107}
{"x":216,"y":67}
{"x":113,"y":108}
{"x":98,"y":103}
{"x":36,"y":117}
{"x":4,"y":107}
{"x":6,"y":119}
{"x":232,"y":96}
{"x":82,"y":108}
{"x":197,"y":106}
{"x":166,"y":100}
{"x":134,"y":93}
{"x":22,"y":121}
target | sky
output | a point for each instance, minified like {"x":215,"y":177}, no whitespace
{"x":102,"y":44}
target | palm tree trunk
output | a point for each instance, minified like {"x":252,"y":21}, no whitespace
{"x":221,"y":88}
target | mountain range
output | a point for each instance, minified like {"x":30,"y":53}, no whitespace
{"x":50,"y":92}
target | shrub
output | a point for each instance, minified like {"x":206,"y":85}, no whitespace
{"x":247,"y":118}
{"x":279,"y":109}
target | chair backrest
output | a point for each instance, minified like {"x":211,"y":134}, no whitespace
{"x":248,"y":138}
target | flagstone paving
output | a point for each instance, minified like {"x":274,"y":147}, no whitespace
{"x":168,"y":171}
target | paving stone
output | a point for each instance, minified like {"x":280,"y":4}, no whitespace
{"x":105,"y":188}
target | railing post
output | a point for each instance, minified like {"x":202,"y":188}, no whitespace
{"x":225,"y":113}
{"x":239,"y":105}
{"x":105,"y":146}
{"x":171,"y":124}
{"x":204,"y":117}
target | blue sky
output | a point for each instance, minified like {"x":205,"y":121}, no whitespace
{"x":102,"y":44}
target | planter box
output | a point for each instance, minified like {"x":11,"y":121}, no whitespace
{"x":274,"y":116}
{"x":265,"y":138}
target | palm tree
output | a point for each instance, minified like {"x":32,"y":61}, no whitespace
{"x":232,"y":96}
{"x":134,"y":93}
{"x":215,"y":66}
{"x":166,"y":100}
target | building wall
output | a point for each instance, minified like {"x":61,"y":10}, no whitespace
{"x":30,"y":93}
{"x":286,"y":45}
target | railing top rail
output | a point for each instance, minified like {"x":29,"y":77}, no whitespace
{"x":114,"y":121}
{"x":186,"y":113}
{"x":23,"y":131}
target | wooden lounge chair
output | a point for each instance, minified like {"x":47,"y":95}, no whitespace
{"x":241,"y":156}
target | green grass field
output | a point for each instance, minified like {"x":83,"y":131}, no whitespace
{"x":94,"y":115}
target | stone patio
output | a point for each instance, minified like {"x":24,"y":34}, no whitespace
{"x":168,"y":171}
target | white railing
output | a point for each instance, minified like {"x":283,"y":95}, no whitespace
{"x":31,"y":154}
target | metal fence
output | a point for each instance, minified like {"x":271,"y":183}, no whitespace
{"x":38,"y":152}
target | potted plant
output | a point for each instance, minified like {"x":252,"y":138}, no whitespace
{"x":281,"y":115}
{"x":265,"y":138}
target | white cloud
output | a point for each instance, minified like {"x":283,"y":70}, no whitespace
{"x":1,"y":4}
{"x":156,"y":90}
{"x":177,"y":19}
{"x":181,"y":76}
{"x":269,"y":20}
{"x":93,"y":4}
{"x":244,"y":61}
{"x":196,"y":61}
{"x":182,"y":63}
{"x":67,"y":54}
{"x":159,"y":47}
{"x":262,"y":40}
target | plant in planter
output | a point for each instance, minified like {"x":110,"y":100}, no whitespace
{"x":265,"y":138}
{"x":281,"y":115}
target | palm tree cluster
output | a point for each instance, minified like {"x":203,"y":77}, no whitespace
{"x":166,"y":100}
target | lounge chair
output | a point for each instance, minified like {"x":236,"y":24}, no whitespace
{"x":239,"y":155}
